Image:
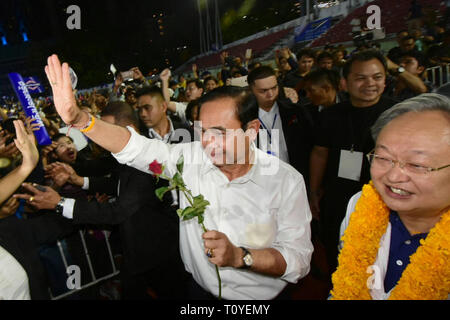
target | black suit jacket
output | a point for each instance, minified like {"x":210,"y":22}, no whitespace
{"x":147,"y":226}
{"x":22,"y":238}
{"x":298,"y":133}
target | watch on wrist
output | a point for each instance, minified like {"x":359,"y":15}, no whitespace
{"x":247,"y":259}
{"x":400,"y":70}
{"x":60,"y":206}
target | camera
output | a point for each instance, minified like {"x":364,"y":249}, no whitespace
{"x":230,"y":61}
{"x":361,"y":40}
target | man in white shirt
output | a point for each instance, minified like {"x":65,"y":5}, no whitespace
{"x":259,"y":206}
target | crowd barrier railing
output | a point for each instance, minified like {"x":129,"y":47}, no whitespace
{"x":439,"y":75}
{"x":86,"y":252}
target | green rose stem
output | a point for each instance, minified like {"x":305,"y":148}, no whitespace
{"x":197,"y":204}
{"x":189,"y":198}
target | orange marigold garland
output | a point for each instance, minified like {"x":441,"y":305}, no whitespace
{"x":427,"y":277}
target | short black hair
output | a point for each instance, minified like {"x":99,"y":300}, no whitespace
{"x":363,"y":56}
{"x":209,"y":78}
{"x":190,"y":108}
{"x":58,"y":136}
{"x":306,"y":52}
{"x":198,"y":83}
{"x":416,"y":55}
{"x":324,"y":55}
{"x":150,"y":91}
{"x":246,"y":105}
{"x":320,"y":76}
{"x":122,"y":112}
{"x":260,"y":73}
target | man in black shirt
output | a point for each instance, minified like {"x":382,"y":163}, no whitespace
{"x":305,"y":64}
{"x":338,"y":170}
{"x":407,"y":81}
{"x":407,"y":44}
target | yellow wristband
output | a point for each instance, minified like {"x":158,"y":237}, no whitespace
{"x":91,"y":125}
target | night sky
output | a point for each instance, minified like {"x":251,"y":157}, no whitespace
{"x":125,"y":33}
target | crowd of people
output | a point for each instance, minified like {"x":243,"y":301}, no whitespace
{"x":346,"y":151}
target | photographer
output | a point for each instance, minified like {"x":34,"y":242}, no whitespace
{"x":125,"y":84}
{"x":231,"y":65}
{"x":407,"y":81}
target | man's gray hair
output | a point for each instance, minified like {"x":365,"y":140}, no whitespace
{"x":424,"y":102}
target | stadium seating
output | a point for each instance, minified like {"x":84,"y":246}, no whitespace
{"x":258,"y":46}
{"x":393,"y":20}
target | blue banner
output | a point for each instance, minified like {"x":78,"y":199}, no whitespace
{"x":313,"y":30}
{"x":29,"y":108}
{"x":33,"y":85}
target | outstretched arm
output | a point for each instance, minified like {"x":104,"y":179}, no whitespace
{"x":165,"y":76}
{"x":26,"y":145}
{"x":111,"y":137}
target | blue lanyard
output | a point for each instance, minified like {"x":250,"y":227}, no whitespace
{"x":273,"y":126}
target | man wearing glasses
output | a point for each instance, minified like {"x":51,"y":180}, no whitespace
{"x":410,"y":172}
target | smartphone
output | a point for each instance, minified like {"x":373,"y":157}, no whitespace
{"x":127,"y":75}
{"x":239,"y":82}
{"x":248,"y":54}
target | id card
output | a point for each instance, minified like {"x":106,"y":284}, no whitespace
{"x":350,"y":165}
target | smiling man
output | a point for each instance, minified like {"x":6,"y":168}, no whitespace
{"x":338,"y":169}
{"x":410,"y":168}
{"x":259,"y":219}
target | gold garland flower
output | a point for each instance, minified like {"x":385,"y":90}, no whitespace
{"x":427,"y":277}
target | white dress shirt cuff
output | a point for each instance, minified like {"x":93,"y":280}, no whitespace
{"x":68,"y":206}
{"x":296,"y":268}
{"x":86,"y":183}
{"x":181,"y":111}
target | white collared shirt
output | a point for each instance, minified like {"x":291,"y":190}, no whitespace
{"x":267,"y":208}
{"x":166,"y":139}
{"x":13,"y":278}
{"x":271,"y":136}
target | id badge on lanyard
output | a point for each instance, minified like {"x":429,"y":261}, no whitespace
{"x":350,"y":165}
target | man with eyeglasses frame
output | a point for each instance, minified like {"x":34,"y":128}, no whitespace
{"x":409,"y":169}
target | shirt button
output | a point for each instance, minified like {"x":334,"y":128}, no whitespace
{"x":399,"y":263}
{"x":408,"y":242}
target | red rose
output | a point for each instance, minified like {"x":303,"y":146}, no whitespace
{"x":156,"y":168}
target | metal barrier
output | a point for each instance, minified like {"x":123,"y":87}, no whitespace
{"x":95,"y":280}
{"x":439,"y":75}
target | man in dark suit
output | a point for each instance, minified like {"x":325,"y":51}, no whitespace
{"x":292,"y":122}
{"x":22,"y":239}
{"x":152,"y":110}
{"x":149,"y":228}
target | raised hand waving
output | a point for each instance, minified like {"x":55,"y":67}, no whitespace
{"x":59,"y":77}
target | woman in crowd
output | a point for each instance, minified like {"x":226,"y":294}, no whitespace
{"x":397,"y":231}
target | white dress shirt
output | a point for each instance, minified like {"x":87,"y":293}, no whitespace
{"x":180,"y":111}
{"x":271,"y":136}
{"x":266,"y":208}
{"x":166,"y":139}
{"x":13,"y":278}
